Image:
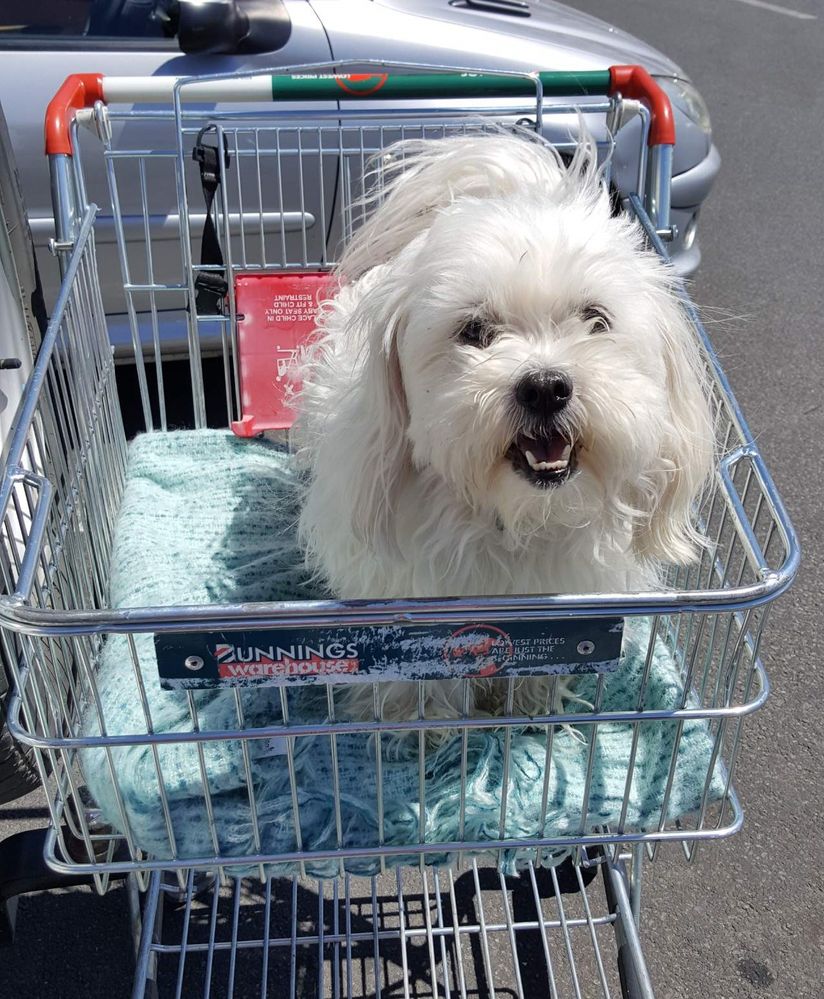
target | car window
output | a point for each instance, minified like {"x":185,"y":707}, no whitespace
{"x":20,"y":19}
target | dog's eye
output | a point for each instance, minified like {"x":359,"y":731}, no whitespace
{"x":596,"y":317}
{"x":476,"y":333}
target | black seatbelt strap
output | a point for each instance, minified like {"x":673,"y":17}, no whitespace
{"x":210,"y":286}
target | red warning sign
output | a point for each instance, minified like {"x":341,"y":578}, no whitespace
{"x":276,"y":319}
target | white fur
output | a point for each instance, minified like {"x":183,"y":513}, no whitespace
{"x":403,"y":430}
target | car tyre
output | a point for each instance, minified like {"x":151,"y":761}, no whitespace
{"x":18,"y":769}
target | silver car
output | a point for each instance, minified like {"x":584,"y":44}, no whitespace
{"x":40,"y":44}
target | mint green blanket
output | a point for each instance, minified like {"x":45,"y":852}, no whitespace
{"x":209,"y":518}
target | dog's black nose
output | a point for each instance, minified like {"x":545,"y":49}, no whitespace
{"x":542,"y":393}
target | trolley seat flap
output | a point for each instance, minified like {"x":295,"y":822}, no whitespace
{"x":275,"y":322}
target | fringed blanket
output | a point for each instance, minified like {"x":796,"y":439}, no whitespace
{"x":208,"y":518}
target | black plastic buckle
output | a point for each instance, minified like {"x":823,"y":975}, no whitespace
{"x":206,"y":156}
{"x":211,"y":289}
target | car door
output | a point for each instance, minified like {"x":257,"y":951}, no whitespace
{"x":41,"y":44}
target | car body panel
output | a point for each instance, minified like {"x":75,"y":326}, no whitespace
{"x":554,"y":37}
{"x":44,"y":71}
{"x":576,"y":40}
{"x":419,"y":31}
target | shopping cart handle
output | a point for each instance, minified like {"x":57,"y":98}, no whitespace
{"x":80,"y":90}
{"x":84,"y":89}
{"x":635,"y":82}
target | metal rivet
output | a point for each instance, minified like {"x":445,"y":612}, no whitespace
{"x":586,"y":648}
{"x":60,"y":246}
{"x":195,"y":663}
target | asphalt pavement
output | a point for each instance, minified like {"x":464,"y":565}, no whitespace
{"x":747,"y":918}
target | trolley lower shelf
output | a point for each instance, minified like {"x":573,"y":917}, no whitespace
{"x":413,"y":933}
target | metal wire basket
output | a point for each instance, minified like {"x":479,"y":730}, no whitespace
{"x":288,"y":198}
{"x":420,"y":932}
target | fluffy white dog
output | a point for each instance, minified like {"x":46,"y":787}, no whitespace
{"x":504,"y":397}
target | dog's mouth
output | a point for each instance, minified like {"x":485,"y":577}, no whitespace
{"x":547,"y":459}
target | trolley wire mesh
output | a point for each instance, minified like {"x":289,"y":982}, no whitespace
{"x":418,"y":933}
{"x":289,"y":197}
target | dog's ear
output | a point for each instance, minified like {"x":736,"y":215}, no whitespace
{"x":352,"y":427}
{"x":382,"y":456}
{"x":667,"y":532}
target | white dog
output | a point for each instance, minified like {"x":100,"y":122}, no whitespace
{"x":505,"y":397}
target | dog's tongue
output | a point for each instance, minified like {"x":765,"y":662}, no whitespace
{"x":549,"y":449}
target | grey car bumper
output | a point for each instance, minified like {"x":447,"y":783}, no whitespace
{"x":689,"y":190}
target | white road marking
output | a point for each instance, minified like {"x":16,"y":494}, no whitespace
{"x":780,"y":10}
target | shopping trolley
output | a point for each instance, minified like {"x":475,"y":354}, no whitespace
{"x":211,"y":185}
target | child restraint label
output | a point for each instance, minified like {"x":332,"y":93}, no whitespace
{"x":395,"y":652}
{"x":276,"y":319}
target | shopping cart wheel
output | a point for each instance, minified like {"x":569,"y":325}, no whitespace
{"x":632,"y":968}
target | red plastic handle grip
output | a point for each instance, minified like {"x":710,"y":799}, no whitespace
{"x":80,"y":90}
{"x":636,"y":83}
